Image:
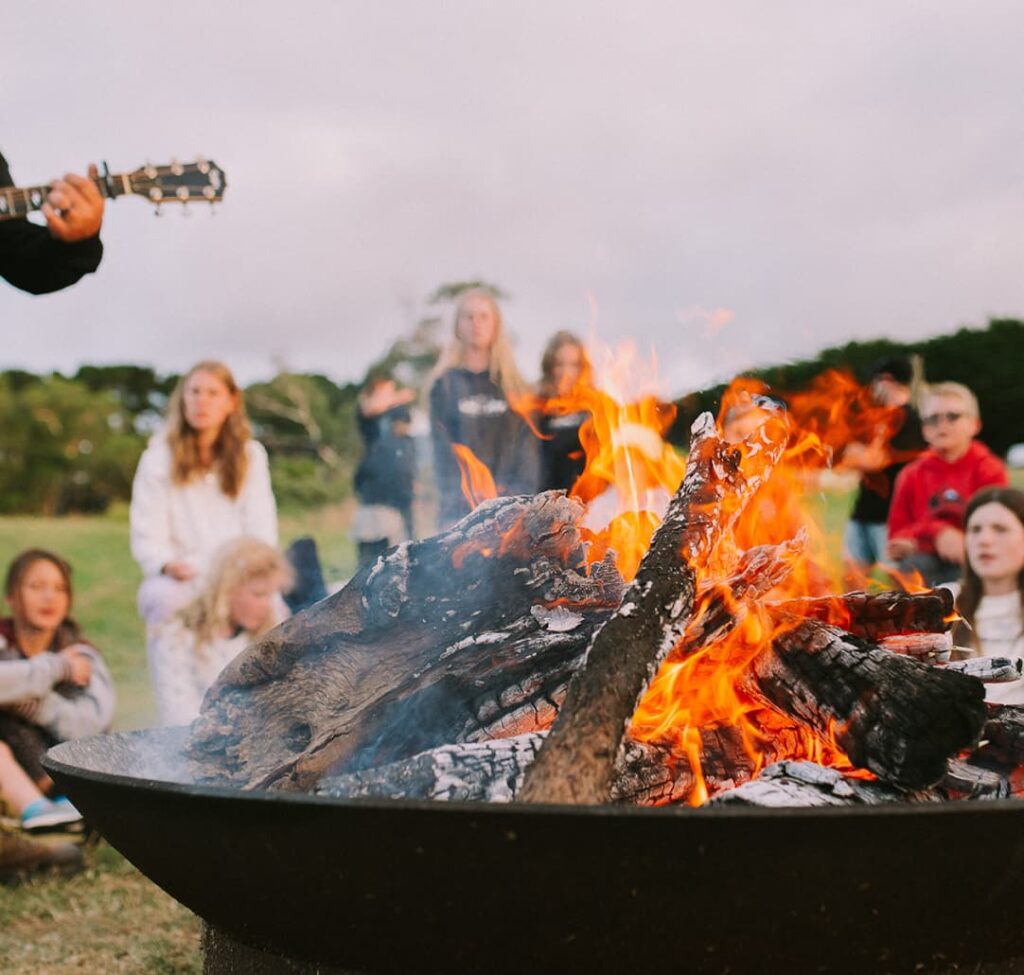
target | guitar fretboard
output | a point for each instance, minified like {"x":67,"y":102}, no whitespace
{"x":16,"y":201}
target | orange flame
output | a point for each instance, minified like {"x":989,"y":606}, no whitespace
{"x":708,"y":689}
{"x":476,"y":479}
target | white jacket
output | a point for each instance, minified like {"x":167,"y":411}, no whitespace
{"x":189,"y":522}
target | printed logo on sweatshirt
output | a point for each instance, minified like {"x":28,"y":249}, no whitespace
{"x":482,"y":405}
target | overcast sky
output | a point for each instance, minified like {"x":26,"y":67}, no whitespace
{"x":733,"y":183}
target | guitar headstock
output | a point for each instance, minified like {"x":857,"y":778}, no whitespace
{"x":201,"y":181}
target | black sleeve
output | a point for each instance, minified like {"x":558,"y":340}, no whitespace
{"x":519,"y":471}
{"x":34,"y":261}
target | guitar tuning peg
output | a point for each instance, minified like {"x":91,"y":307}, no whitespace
{"x":156,"y":210}
{"x":186,"y":210}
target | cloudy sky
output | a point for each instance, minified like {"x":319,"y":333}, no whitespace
{"x":732,"y":183}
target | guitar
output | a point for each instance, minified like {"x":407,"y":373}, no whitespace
{"x":175,"y":183}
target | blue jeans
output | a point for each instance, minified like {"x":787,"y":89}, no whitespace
{"x":864,"y":542}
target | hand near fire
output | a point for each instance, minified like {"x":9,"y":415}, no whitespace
{"x":949,"y":545}
{"x":897,"y":549}
{"x":81,"y":665}
{"x":179,"y":570}
{"x":868,"y":457}
{"x":74,"y":207}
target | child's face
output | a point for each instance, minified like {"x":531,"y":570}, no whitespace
{"x":995,"y":543}
{"x":252,"y":602}
{"x":208,"y":402}
{"x":476,"y":326}
{"x":948,"y":425}
{"x":42,"y":600}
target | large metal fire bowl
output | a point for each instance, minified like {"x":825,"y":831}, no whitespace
{"x":409,"y":887}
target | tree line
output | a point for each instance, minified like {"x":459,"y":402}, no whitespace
{"x":71,"y":443}
{"x":986,"y":359}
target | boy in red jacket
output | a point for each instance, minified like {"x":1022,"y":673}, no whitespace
{"x":926,"y":520}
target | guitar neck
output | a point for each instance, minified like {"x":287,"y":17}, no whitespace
{"x":16,"y":201}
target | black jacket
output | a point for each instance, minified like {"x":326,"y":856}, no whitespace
{"x":34,"y":261}
{"x":468,"y":408}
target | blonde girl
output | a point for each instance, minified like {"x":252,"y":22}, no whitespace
{"x":474,"y":393}
{"x":201,"y":482}
{"x":240,"y":601}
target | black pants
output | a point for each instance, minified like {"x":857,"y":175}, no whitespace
{"x":28,"y":742}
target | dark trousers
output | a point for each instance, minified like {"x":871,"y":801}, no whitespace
{"x":28,"y":743}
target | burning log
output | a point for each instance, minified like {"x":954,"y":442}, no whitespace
{"x":890,"y":714}
{"x":759,"y":570}
{"x":930,"y":648}
{"x":576,"y":764}
{"x":806,"y":784}
{"x":436,"y":644}
{"x":873,"y":615}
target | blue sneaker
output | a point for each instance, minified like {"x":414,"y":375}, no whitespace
{"x":44,"y":814}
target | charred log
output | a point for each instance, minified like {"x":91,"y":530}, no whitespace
{"x":873,"y":615}
{"x":1004,"y":731}
{"x":576,"y":764}
{"x":990,"y":670}
{"x":806,"y":784}
{"x":435,"y":644}
{"x":890,"y":714}
{"x":969,"y":780}
{"x":489,"y":771}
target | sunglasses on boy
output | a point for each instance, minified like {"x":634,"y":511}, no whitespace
{"x":933,"y":419}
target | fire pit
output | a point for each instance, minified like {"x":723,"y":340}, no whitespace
{"x":405,"y":887}
{"x":518,"y":657}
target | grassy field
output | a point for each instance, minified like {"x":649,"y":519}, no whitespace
{"x":110,"y":919}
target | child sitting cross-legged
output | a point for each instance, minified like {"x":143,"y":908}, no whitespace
{"x":53,"y":685}
{"x":240,"y":601}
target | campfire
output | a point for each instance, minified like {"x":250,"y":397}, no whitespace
{"x":666,"y":633}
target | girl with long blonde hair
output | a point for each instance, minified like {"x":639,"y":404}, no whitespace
{"x":475,"y":389}
{"x":201,"y":482}
{"x":240,"y":601}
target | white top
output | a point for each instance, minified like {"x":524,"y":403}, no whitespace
{"x":189,"y":522}
{"x":182,"y":669}
{"x":1000,"y":629}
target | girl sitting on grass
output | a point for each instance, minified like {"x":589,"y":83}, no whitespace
{"x":239,"y":602}
{"x":54,"y":686}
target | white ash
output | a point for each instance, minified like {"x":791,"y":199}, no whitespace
{"x":557,"y":620}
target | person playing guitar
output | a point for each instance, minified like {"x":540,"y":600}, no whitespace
{"x":46,"y":259}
